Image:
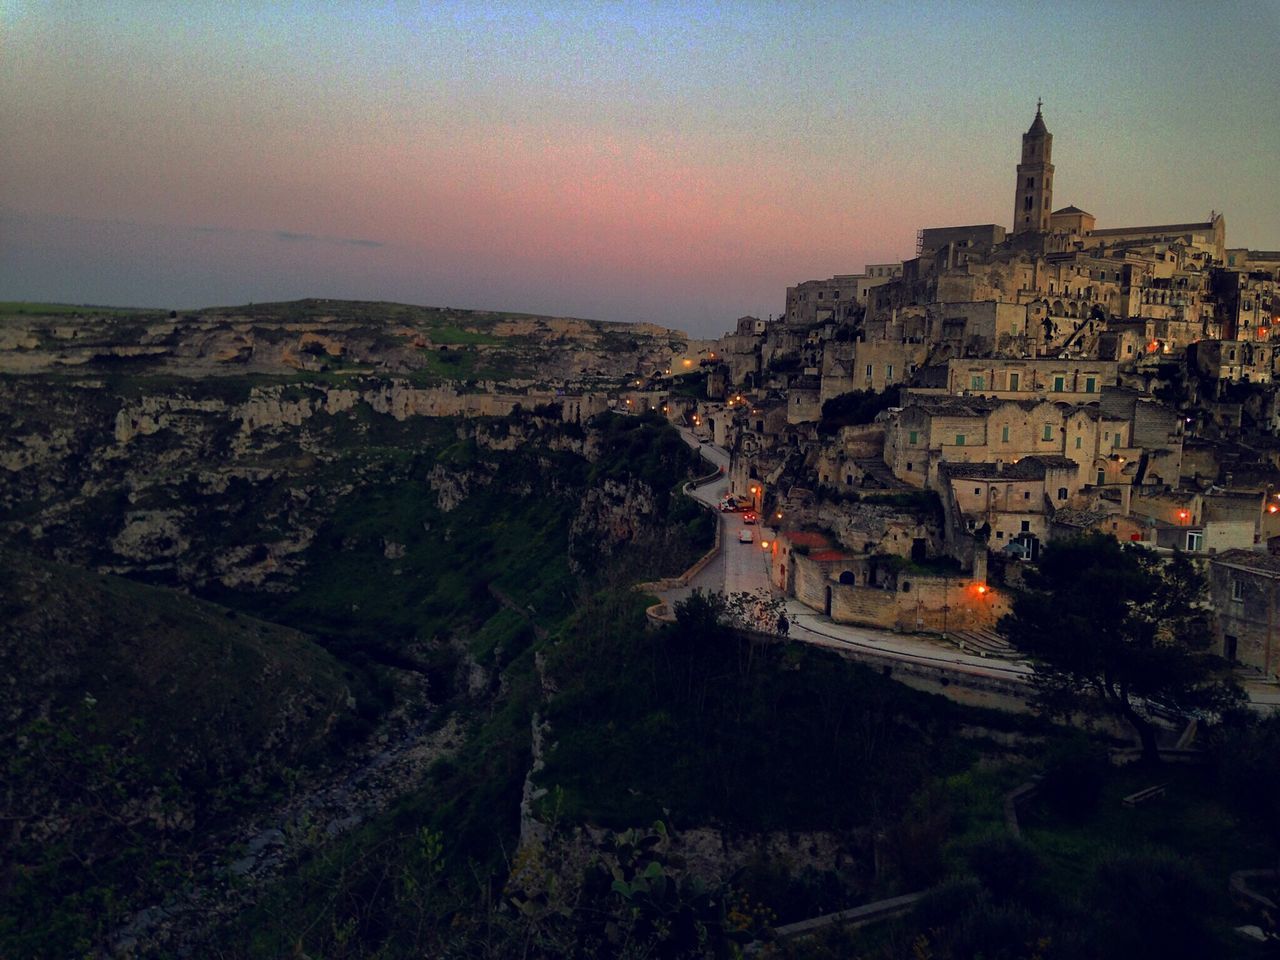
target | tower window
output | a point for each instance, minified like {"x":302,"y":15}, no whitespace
{"x":1026,"y":203}
{"x":1031,"y":182}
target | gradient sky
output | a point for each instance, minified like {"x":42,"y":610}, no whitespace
{"x":679,"y":163}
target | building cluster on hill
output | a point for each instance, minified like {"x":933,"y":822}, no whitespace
{"x":918,"y":430}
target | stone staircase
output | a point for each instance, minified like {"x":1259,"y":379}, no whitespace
{"x":880,"y":473}
{"x":985,"y":643}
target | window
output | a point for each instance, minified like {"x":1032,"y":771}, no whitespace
{"x":835,"y":295}
{"x":1078,"y":440}
{"x":868,"y":371}
{"x":819,"y":294}
{"x":1090,"y":384}
{"x":1004,"y":434}
{"x":1031,"y":182}
{"x":1059,"y":384}
{"x":1026,"y":204}
{"x":977,"y":491}
{"x":1048,"y":431}
{"x":959,"y":439}
{"x":908,"y":466}
{"x":1026,"y":494}
{"x":999,"y":534}
{"x":913,"y":436}
{"x":1026,"y":526}
{"x":1013,"y":379}
{"x":1102,"y":477}
{"x":977,"y":382}
{"x":1237,"y":591}
{"x":1062,"y":493}
{"x":888,"y":371}
{"x":1193,"y":542}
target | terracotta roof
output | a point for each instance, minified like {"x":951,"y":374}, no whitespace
{"x":824,"y":556}
{"x":1267,"y":563}
{"x":1027,"y":468}
{"x":1165,"y":228}
{"x":805,"y":538}
{"x":1085,"y":519}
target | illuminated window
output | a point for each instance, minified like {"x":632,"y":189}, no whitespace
{"x":1193,"y":542}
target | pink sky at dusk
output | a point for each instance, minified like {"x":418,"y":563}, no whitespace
{"x":682,"y":166}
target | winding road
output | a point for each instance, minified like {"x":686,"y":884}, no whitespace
{"x":742,"y":567}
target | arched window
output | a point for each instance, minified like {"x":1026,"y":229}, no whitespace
{"x":848,"y":577}
{"x":906,"y":586}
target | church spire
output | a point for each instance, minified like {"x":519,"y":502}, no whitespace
{"x":1033,"y":191}
{"x":1037,"y":125}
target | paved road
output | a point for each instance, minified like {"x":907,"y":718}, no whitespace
{"x":742,"y":567}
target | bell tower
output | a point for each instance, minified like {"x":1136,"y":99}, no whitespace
{"x":1033,"y":198}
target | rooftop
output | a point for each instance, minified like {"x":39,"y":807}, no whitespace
{"x":1027,"y":468}
{"x":1083,"y":519}
{"x":1267,"y":563}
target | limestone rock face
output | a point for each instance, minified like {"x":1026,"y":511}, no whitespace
{"x":150,"y":535}
{"x":610,"y":515}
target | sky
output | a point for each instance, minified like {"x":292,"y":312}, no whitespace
{"x":676,"y":163}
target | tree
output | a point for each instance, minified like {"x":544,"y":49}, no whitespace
{"x":1120,"y":629}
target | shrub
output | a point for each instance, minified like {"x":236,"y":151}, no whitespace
{"x":1073,"y":779}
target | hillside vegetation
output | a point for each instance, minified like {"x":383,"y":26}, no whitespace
{"x":137,"y":721}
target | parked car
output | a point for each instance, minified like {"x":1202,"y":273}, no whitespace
{"x":748,"y":517}
{"x":745,"y":535}
{"x":728,"y":506}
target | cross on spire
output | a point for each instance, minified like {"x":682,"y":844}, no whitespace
{"x":1039,"y":102}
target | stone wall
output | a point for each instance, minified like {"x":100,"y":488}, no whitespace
{"x":924,"y":604}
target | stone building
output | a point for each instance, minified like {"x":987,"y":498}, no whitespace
{"x":1244,"y":587}
{"x":1070,"y":381}
{"x":1233,"y":360}
{"x":931,"y":429}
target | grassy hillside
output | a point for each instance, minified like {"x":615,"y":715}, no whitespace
{"x":136,"y":721}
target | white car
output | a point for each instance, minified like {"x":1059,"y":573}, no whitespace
{"x":745,"y":535}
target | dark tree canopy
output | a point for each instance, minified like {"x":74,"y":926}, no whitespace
{"x":1118,"y":627}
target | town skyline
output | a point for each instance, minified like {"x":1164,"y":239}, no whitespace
{"x":681,"y":169}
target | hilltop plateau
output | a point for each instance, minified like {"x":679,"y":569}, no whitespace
{"x":425,"y":345}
